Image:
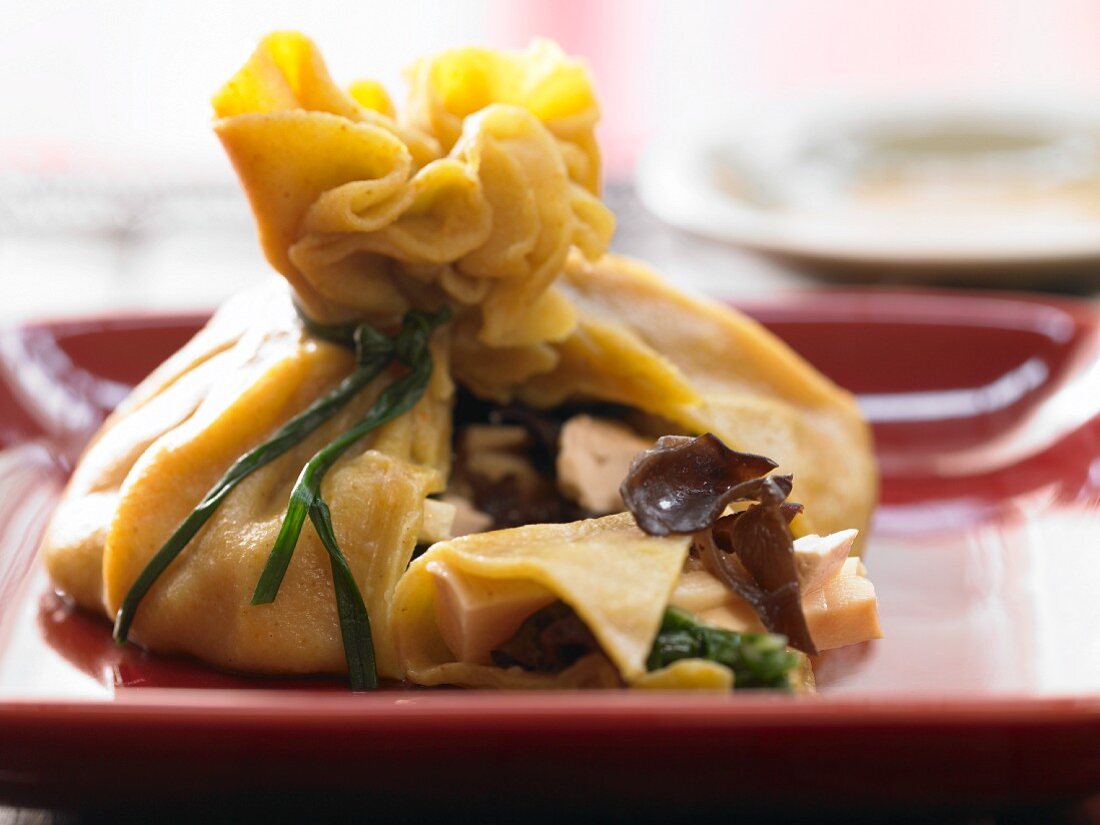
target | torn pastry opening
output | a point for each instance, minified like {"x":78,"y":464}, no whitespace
{"x":516,"y":465}
{"x":602,"y":600}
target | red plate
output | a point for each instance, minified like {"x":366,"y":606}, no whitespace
{"x":985,"y":555}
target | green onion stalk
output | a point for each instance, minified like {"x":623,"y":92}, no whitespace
{"x":374,"y":352}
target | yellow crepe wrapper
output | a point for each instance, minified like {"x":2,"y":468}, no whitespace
{"x":483,"y":196}
{"x":364,"y":222}
{"x":616,"y":578}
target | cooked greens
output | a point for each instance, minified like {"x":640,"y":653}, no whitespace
{"x":555,"y":637}
{"x":758,"y":660}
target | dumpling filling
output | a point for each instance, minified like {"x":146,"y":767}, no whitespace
{"x":521,"y":618}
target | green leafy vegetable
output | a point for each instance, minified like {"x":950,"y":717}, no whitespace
{"x":758,"y":660}
{"x":554,"y":637}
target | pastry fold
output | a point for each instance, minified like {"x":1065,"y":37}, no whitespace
{"x":616,"y":578}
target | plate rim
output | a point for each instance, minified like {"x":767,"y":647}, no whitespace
{"x":1009,"y":718}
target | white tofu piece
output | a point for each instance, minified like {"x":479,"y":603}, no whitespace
{"x":594,"y":457}
{"x":818,"y":559}
{"x":475,"y":614}
{"x":468,"y":519}
{"x":438,"y":521}
{"x":497,"y":451}
{"x":844,"y":611}
{"x":838,"y":599}
{"x":698,"y":591}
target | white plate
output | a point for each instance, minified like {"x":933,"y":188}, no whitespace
{"x":929,"y":184}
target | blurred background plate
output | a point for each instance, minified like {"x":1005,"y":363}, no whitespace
{"x":975,"y":190}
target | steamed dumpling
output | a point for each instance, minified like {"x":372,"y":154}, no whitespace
{"x":481,"y":197}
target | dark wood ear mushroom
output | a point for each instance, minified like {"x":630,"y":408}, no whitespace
{"x":683,"y":485}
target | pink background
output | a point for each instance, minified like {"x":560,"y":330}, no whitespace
{"x":112,"y":83}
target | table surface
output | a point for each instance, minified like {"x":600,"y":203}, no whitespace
{"x":195,"y":264}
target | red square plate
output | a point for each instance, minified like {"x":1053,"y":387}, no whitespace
{"x":985,"y":554}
